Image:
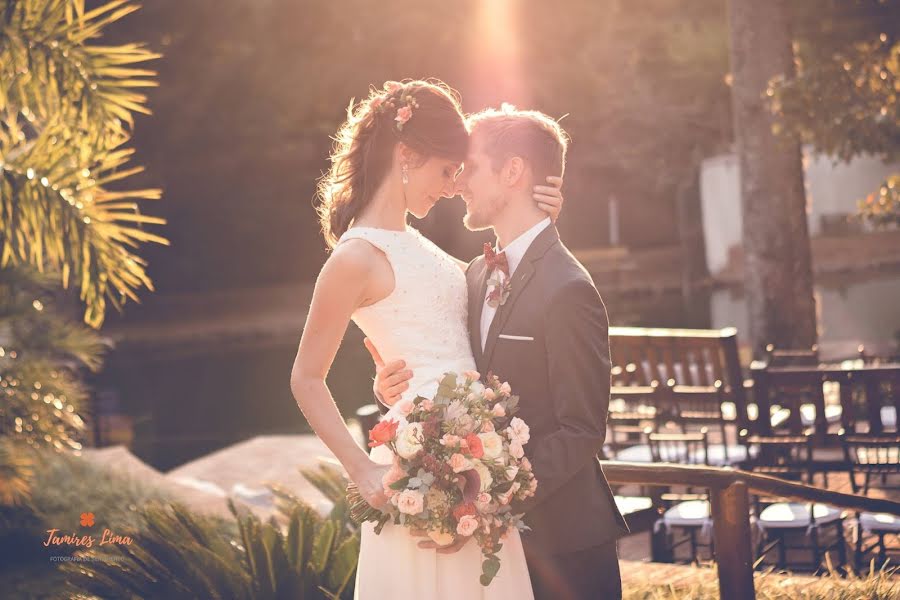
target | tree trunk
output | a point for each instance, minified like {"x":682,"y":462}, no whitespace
{"x":777,"y":259}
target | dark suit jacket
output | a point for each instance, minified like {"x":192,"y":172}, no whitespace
{"x":562,"y":378}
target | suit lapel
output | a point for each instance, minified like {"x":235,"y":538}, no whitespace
{"x":524,"y":273}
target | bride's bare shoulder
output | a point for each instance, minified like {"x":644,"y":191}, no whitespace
{"x":355,"y":264}
{"x":353,"y":257}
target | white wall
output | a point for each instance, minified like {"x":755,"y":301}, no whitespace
{"x":831,"y":190}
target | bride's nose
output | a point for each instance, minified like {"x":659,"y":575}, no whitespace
{"x":449,"y":190}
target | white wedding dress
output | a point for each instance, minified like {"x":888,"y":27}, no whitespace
{"x":424,"y":322}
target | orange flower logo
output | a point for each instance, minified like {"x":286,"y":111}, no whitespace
{"x":87,"y":519}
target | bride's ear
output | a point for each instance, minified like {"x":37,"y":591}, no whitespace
{"x":408,"y":156}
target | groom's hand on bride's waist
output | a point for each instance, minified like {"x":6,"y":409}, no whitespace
{"x":391,"y":379}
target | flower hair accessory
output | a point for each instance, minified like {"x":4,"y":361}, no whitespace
{"x":404,"y":104}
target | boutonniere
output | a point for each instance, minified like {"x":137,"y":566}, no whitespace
{"x":499,"y":290}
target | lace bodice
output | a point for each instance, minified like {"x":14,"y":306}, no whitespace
{"x":424,"y":319}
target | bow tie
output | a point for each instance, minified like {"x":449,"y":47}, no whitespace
{"x":495,"y":260}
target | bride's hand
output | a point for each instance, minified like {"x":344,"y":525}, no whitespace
{"x":549,"y":197}
{"x":370,"y":486}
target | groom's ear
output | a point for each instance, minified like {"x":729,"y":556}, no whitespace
{"x":514,"y":171}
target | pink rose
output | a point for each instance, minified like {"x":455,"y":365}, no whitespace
{"x":487,"y":426}
{"x":473,"y":375}
{"x":505,"y":389}
{"x":403,"y":115}
{"x":394,"y":474}
{"x":489,"y":394}
{"x":450,"y":440}
{"x":467,"y":525}
{"x":459,"y":463}
{"x":411,"y":502}
{"x":516,"y":450}
{"x":498,"y":410}
{"x":405,"y":407}
{"x":526,"y":464}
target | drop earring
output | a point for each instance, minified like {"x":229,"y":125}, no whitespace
{"x":404,"y":174}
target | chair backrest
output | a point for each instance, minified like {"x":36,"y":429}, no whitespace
{"x":694,"y":404}
{"x":641,"y":355}
{"x":780,"y":357}
{"x":877,"y":456}
{"x":784,"y":456}
{"x":679,"y":357}
{"x":680,"y":448}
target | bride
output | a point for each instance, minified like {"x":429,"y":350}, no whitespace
{"x":398,"y":152}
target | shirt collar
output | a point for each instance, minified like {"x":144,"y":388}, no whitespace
{"x":517,"y":248}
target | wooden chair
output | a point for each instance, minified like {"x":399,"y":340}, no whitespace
{"x":689,"y":357}
{"x":692,"y":408}
{"x":877,"y":461}
{"x":632,"y":416}
{"x":688,"y":513}
{"x":790,"y":457}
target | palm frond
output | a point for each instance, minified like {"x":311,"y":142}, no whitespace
{"x":66,"y":114}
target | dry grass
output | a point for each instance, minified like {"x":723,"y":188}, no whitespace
{"x":695,"y":583}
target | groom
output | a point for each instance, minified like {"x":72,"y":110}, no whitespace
{"x":537,"y":321}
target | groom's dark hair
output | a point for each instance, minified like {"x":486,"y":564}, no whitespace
{"x":529,"y":134}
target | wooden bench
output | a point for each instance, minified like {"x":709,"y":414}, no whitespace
{"x":643,"y":357}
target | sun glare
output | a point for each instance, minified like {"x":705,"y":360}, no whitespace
{"x":494,"y":58}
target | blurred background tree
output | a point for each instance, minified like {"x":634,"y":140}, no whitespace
{"x":66,"y":115}
{"x":843,"y":99}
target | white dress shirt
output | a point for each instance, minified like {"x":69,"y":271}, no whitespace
{"x":514,"y":253}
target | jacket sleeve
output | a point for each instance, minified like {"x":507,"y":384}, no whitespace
{"x":577,"y":345}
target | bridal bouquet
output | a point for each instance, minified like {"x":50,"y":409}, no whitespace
{"x":458,"y":463}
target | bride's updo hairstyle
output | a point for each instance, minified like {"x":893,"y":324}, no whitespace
{"x":425,"y":115}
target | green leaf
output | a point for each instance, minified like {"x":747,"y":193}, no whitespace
{"x":322,"y":548}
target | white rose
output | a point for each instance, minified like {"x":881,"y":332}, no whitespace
{"x":411,"y":502}
{"x":511,"y":472}
{"x":516,"y":450}
{"x":409,"y":441}
{"x":465,"y":424}
{"x":459,"y":463}
{"x":518,"y":431}
{"x":455,"y":410}
{"x":492,"y":443}
{"x":477,"y":387}
{"x":484,"y":474}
